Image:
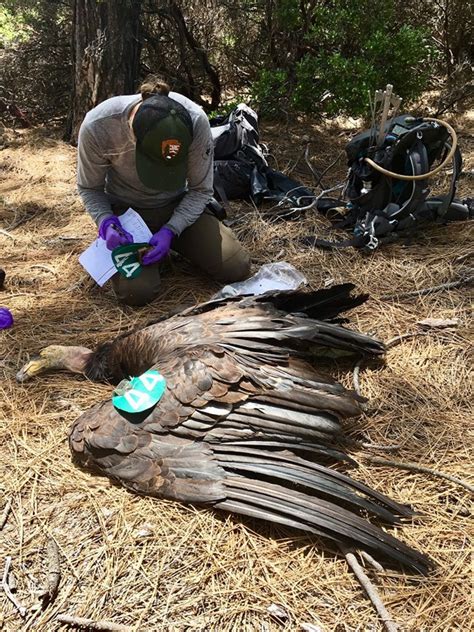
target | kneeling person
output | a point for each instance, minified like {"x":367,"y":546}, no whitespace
{"x":154,"y":152}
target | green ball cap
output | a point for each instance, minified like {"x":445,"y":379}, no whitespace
{"x":161,"y":157}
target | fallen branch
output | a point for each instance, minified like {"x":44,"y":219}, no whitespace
{"x":319,"y":176}
{"x":467,"y":255}
{"x":380,"y":446}
{"x":355,"y":377}
{"x":368,"y":558}
{"x":393,"y":342}
{"x":414,"y":467}
{"x":316,"y":174}
{"x":371,"y":591}
{"x":460,"y":93}
{"x":6,"y":513}
{"x":42,"y":266}
{"x":11,"y":582}
{"x":81,"y":622}
{"x":429,"y":290}
{"x":7,"y":234}
{"x":27,"y":216}
{"x":6,"y":587}
{"x":54,"y":573}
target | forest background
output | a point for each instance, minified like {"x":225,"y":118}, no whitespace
{"x":283,"y":57}
{"x":307,"y":68}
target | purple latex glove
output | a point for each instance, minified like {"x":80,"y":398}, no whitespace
{"x":6,"y":318}
{"x":161,"y":242}
{"x":114,"y":234}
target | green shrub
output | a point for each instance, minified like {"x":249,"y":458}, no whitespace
{"x":349,"y":50}
{"x":270,"y":91}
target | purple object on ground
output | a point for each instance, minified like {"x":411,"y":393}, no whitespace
{"x":6,"y":318}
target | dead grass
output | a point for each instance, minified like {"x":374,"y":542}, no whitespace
{"x":161,"y":566}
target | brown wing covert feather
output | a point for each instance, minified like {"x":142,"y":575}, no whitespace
{"x":246,"y":418}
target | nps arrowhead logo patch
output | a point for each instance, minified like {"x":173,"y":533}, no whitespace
{"x":170,"y":148}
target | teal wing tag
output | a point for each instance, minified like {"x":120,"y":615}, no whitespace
{"x":140,"y":393}
{"x":127,"y":259}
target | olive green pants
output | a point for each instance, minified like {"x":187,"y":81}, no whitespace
{"x":207,"y":244}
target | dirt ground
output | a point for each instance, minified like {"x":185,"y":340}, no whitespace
{"x":157,"y":565}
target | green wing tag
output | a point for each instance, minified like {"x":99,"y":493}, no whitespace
{"x":140,"y":393}
{"x":127,"y":259}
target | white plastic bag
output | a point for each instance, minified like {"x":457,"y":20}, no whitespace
{"x":271,"y":276}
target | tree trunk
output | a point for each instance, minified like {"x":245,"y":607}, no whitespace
{"x":106,"y":51}
{"x":199,"y":54}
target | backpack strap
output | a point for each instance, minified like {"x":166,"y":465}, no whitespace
{"x":447,"y":200}
{"x":220,"y":190}
{"x":314,"y":242}
{"x":358,"y":241}
{"x":418,"y":163}
{"x":217,"y":209}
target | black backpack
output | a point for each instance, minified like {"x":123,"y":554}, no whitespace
{"x":241,"y":169}
{"x":381,"y":208}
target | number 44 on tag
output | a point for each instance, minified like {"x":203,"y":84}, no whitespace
{"x":127,"y":268}
{"x":141,"y":393}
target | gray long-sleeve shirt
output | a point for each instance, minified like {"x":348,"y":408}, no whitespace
{"x":106,"y":172}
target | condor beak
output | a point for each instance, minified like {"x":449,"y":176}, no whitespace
{"x":33,"y":367}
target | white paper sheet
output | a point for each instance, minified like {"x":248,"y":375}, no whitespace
{"x":97,"y":259}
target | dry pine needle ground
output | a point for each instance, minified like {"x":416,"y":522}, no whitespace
{"x":161,"y":566}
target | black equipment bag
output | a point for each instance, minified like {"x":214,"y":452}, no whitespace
{"x":380,"y":208}
{"x":241,"y":170}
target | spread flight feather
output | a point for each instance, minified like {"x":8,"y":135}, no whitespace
{"x":245,"y":417}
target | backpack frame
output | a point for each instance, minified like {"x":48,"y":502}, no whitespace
{"x":383,"y":206}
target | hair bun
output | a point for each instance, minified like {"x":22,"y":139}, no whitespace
{"x":154,"y":85}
